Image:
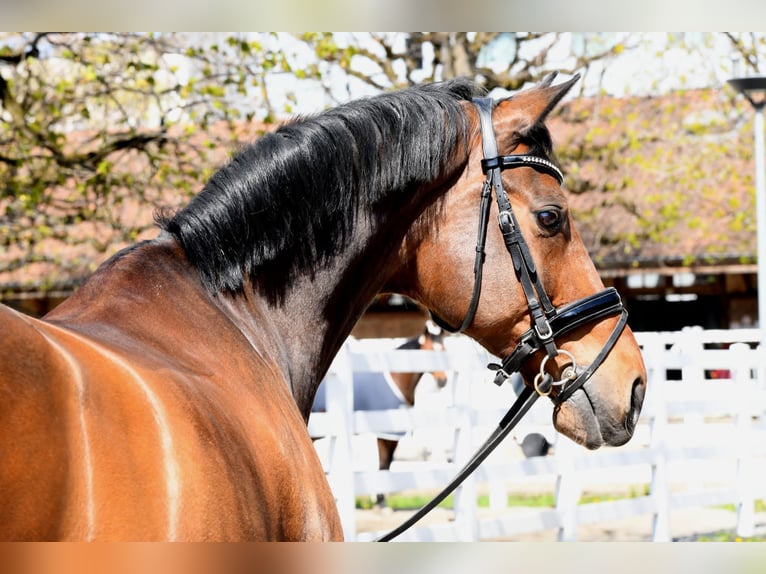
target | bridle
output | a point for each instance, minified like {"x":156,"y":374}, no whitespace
{"x":548,"y":322}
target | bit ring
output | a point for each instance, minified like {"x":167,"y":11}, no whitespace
{"x":570,"y":374}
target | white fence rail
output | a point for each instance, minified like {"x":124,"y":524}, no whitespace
{"x":701,"y":440}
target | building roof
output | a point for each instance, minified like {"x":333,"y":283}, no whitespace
{"x":661,"y":182}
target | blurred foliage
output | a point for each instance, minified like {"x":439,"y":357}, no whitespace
{"x":94,"y":127}
{"x":675,"y":173}
{"x":97,"y":129}
{"x":507,"y":60}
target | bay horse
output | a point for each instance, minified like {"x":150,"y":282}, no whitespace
{"x":167,"y":399}
{"x":382,"y":391}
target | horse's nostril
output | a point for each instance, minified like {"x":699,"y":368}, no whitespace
{"x":636,"y":401}
{"x":637,"y":396}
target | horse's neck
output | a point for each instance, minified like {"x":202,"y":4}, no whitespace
{"x":319,"y":310}
{"x":318,"y":314}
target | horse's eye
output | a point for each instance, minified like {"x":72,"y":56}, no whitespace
{"x":549,"y":219}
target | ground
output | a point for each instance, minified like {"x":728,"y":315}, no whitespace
{"x":686,"y":525}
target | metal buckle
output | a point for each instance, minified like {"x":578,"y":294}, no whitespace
{"x":505,"y":220}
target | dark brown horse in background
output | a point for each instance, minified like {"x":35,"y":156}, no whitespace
{"x":431,"y":339}
{"x":382,"y":391}
{"x":167,"y":399}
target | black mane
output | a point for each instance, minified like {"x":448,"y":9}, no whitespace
{"x":289,"y":200}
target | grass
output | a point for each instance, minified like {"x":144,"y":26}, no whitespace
{"x":548,"y":500}
{"x":760,"y":506}
{"x":727,"y":536}
{"x":543,"y":500}
{"x":415,"y":501}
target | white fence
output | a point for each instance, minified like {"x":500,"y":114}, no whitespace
{"x":699,"y":442}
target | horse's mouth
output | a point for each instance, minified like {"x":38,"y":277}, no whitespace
{"x":592,"y":423}
{"x":576,"y":419}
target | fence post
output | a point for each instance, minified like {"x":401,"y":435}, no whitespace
{"x":654,"y":352}
{"x":743,"y":388}
{"x":465,"y":497}
{"x":498,"y":494}
{"x":692,"y":374}
{"x":568,"y":489}
{"x":340,"y":410}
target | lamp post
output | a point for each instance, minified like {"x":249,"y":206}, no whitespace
{"x":754,"y":89}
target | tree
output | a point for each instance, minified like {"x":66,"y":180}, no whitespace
{"x":507,"y":60}
{"x":748,"y":48}
{"x":96,"y":129}
{"x":668,"y":178}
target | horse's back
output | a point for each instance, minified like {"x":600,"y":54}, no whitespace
{"x":122,"y":442}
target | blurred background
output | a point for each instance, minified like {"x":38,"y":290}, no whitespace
{"x":98,"y":130}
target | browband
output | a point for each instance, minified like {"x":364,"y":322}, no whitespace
{"x":519,"y":160}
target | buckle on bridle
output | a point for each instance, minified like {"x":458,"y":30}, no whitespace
{"x":505,"y":220}
{"x":606,"y":303}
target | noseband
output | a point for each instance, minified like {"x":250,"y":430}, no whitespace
{"x":548,"y":322}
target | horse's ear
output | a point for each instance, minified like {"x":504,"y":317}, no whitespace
{"x":531,"y":107}
{"x":547,"y":80}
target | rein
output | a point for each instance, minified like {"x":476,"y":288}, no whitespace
{"x":547,"y":321}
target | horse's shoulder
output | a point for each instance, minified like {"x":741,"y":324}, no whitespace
{"x":24,"y":342}
{"x":33,"y":413}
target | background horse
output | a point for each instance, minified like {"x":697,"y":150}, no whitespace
{"x":167,"y":399}
{"x":381,"y":391}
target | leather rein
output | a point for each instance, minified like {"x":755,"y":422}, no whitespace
{"x":547,"y":321}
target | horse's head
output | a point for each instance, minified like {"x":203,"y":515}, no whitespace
{"x":536,"y":274}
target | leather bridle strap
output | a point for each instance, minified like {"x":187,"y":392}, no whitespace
{"x":585,"y":374}
{"x":586,"y":310}
{"x":519,"y":408}
{"x":486,"y":202}
{"x":540,"y":306}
